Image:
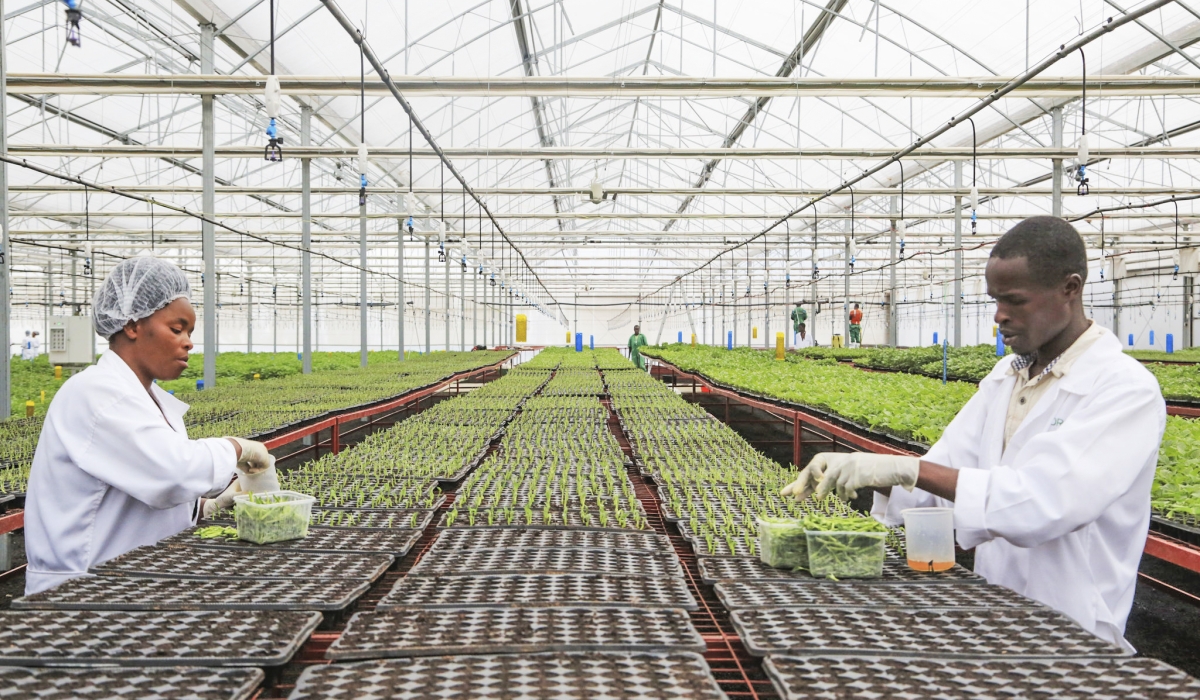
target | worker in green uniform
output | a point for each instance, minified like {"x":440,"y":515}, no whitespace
{"x":636,"y":341}
{"x":856,"y":315}
{"x":799,"y":323}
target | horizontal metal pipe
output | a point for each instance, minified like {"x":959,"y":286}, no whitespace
{"x":604,"y":86}
{"x":583,"y":153}
{"x":582,"y":216}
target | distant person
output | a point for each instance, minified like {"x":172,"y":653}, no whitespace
{"x":1049,"y":466}
{"x":637,"y":341}
{"x":27,"y":352}
{"x":799,"y":324}
{"x":855,"y":326}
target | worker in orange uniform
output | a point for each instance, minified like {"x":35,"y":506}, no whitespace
{"x":855,"y":326}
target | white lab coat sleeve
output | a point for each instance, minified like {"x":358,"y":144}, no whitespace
{"x":132,"y":448}
{"x":958,"y":448}
{"x":1063,"y":480}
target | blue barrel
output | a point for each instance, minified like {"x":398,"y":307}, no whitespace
{"x":591,"y":342}
{"x":935,"y":338}
{"x":578,"y":342}
{"x":1130,"y":340}
{"x":679,"y":338}
{"x":199,"y":385}
{"x":999,"y":344}
{"x":729,"y":341}
{"x":1170,"y":343}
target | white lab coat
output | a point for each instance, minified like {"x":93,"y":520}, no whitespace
{"x":28,"y":352}
{"x":109,"y":473}
{"x":1061,"y":514}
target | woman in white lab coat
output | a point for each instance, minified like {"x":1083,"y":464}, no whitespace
{"x":114,"y":468}
{"x":1049,"y":466}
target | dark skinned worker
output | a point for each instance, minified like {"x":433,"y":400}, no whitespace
{"x":636,"y":342}
{"x":1048,"y":467}
{"x":114,"y":468}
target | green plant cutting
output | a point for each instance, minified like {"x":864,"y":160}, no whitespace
{"x":262,"y":525}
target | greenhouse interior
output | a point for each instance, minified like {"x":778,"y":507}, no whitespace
{"x":821,"y":349}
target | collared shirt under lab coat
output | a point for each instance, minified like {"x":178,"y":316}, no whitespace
{"x":1061,"y":514}
{"x":110,"y":474}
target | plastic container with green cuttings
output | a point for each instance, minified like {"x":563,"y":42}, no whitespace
{"x":845,"y":547}
{"x":782,"y":542}
{"x":274,"y":516}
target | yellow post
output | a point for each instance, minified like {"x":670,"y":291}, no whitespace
{"x":568,"y":338}
{"x":993,"y":331}
{"x":257,"y":376}
{"x":43,"y":396}
{"x":837,"y":340}
{"x":29,"y":409}
{"x":754,"y":332}
{"x":778,"y":346}
{"x":58,"y":371}
{"x":522,"y":325}
{"x":693,"y":340}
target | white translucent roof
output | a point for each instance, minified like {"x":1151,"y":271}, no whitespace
{"x":629,"y":246}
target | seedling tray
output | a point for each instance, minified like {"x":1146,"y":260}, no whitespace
{"x":1007,"y":632}
{"x":536,"y":494}
{"x":122,"y":638}
{"x":540,"y":590}
{"x":495,"y":538}
{"x":546,"y":561}
{"x":860,"y":678}
{"x":848,"y":594}
{"x":561,"y":676}
{"x":171,"y":683}
{"x":573,"y":520}
{"x":363,"y":518}
{"x":321,"y":540}
{"x":401,"y":632}
{"x":202,"y":563}
{"x":136,"y":593}
{"x":895,"y":570}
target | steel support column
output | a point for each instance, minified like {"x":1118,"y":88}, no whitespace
{"x":249,"y":315}
{"x":462,"y":304}
{"x":1056,"y":129}
{"x":5,"y":252}
{"x":893,"y":308}
{"x":362,"y":285}
{"x":958,"y":257}
{"x":400,"y":304}
{"x":306,"y":239}
{"x":446,"y":279}
{"x":428,"y":311}
{"x":208,"y":239}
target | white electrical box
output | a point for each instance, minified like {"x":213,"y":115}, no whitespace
{"x":70,"y":341}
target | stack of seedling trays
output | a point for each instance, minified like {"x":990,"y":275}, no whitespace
{"x":182,"y":617}
{"x":906,"y":634}
{"x":531,"y":606}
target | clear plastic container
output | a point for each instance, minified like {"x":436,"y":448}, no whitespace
{"x":929,"y":538}
{"x":273,"y":516}
{"x":781,"y":543}
{"x":845,"y":554}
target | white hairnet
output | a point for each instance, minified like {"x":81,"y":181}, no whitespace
{"x":134,"y":290}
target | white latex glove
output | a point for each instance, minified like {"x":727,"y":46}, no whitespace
{"x":255,"y":457}
{"x":810,"y":477}
{"x":259,"y":482}
{"x":846,"y":473}
{"x":225,"y":500}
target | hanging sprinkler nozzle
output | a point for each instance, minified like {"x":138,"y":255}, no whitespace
{"x":74,"y":15}
{"x":1081,"y":167}
{"x":362,"y":176}
{"x":273,"y":97}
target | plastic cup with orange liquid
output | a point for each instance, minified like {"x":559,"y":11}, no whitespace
{"x":929,"y":538}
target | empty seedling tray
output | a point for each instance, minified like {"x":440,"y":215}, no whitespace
{"x":1007,"y":632}
{"x":895,"y":570}
{"x":863,"y":678}
{"x":125,"y":638}
{"x":137,"y":593}
{"x":494,"y":538}
{"x":539,"y":590}
{"x":169,"y":683}
{"x":561,"y":676}
{"x":782,"y":593}
{"x":202,"y":563}
{"x":324,"y":540}
{"x":401,"y":632}
{"x":531,"y":560}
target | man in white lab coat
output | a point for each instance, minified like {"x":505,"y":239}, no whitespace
{"x":1048,"y":467}
{"x":114,"y":468}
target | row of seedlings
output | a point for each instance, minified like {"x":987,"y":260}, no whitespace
{"x":220,"y":611}
{"x":266,"y":406}
{"x":904,"y":634}
{"x":544,"y":580}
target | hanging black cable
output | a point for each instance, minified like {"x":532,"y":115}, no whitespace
{"x":1175,"y":276}
{"x":814,"y":251}
{"x":273,"y":100}
{"x":362,"y":123}
{"x":974,"y":197}
{"x":1081,"y":167}
{"x":850,"y":245}
{"x":87,"y":233}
